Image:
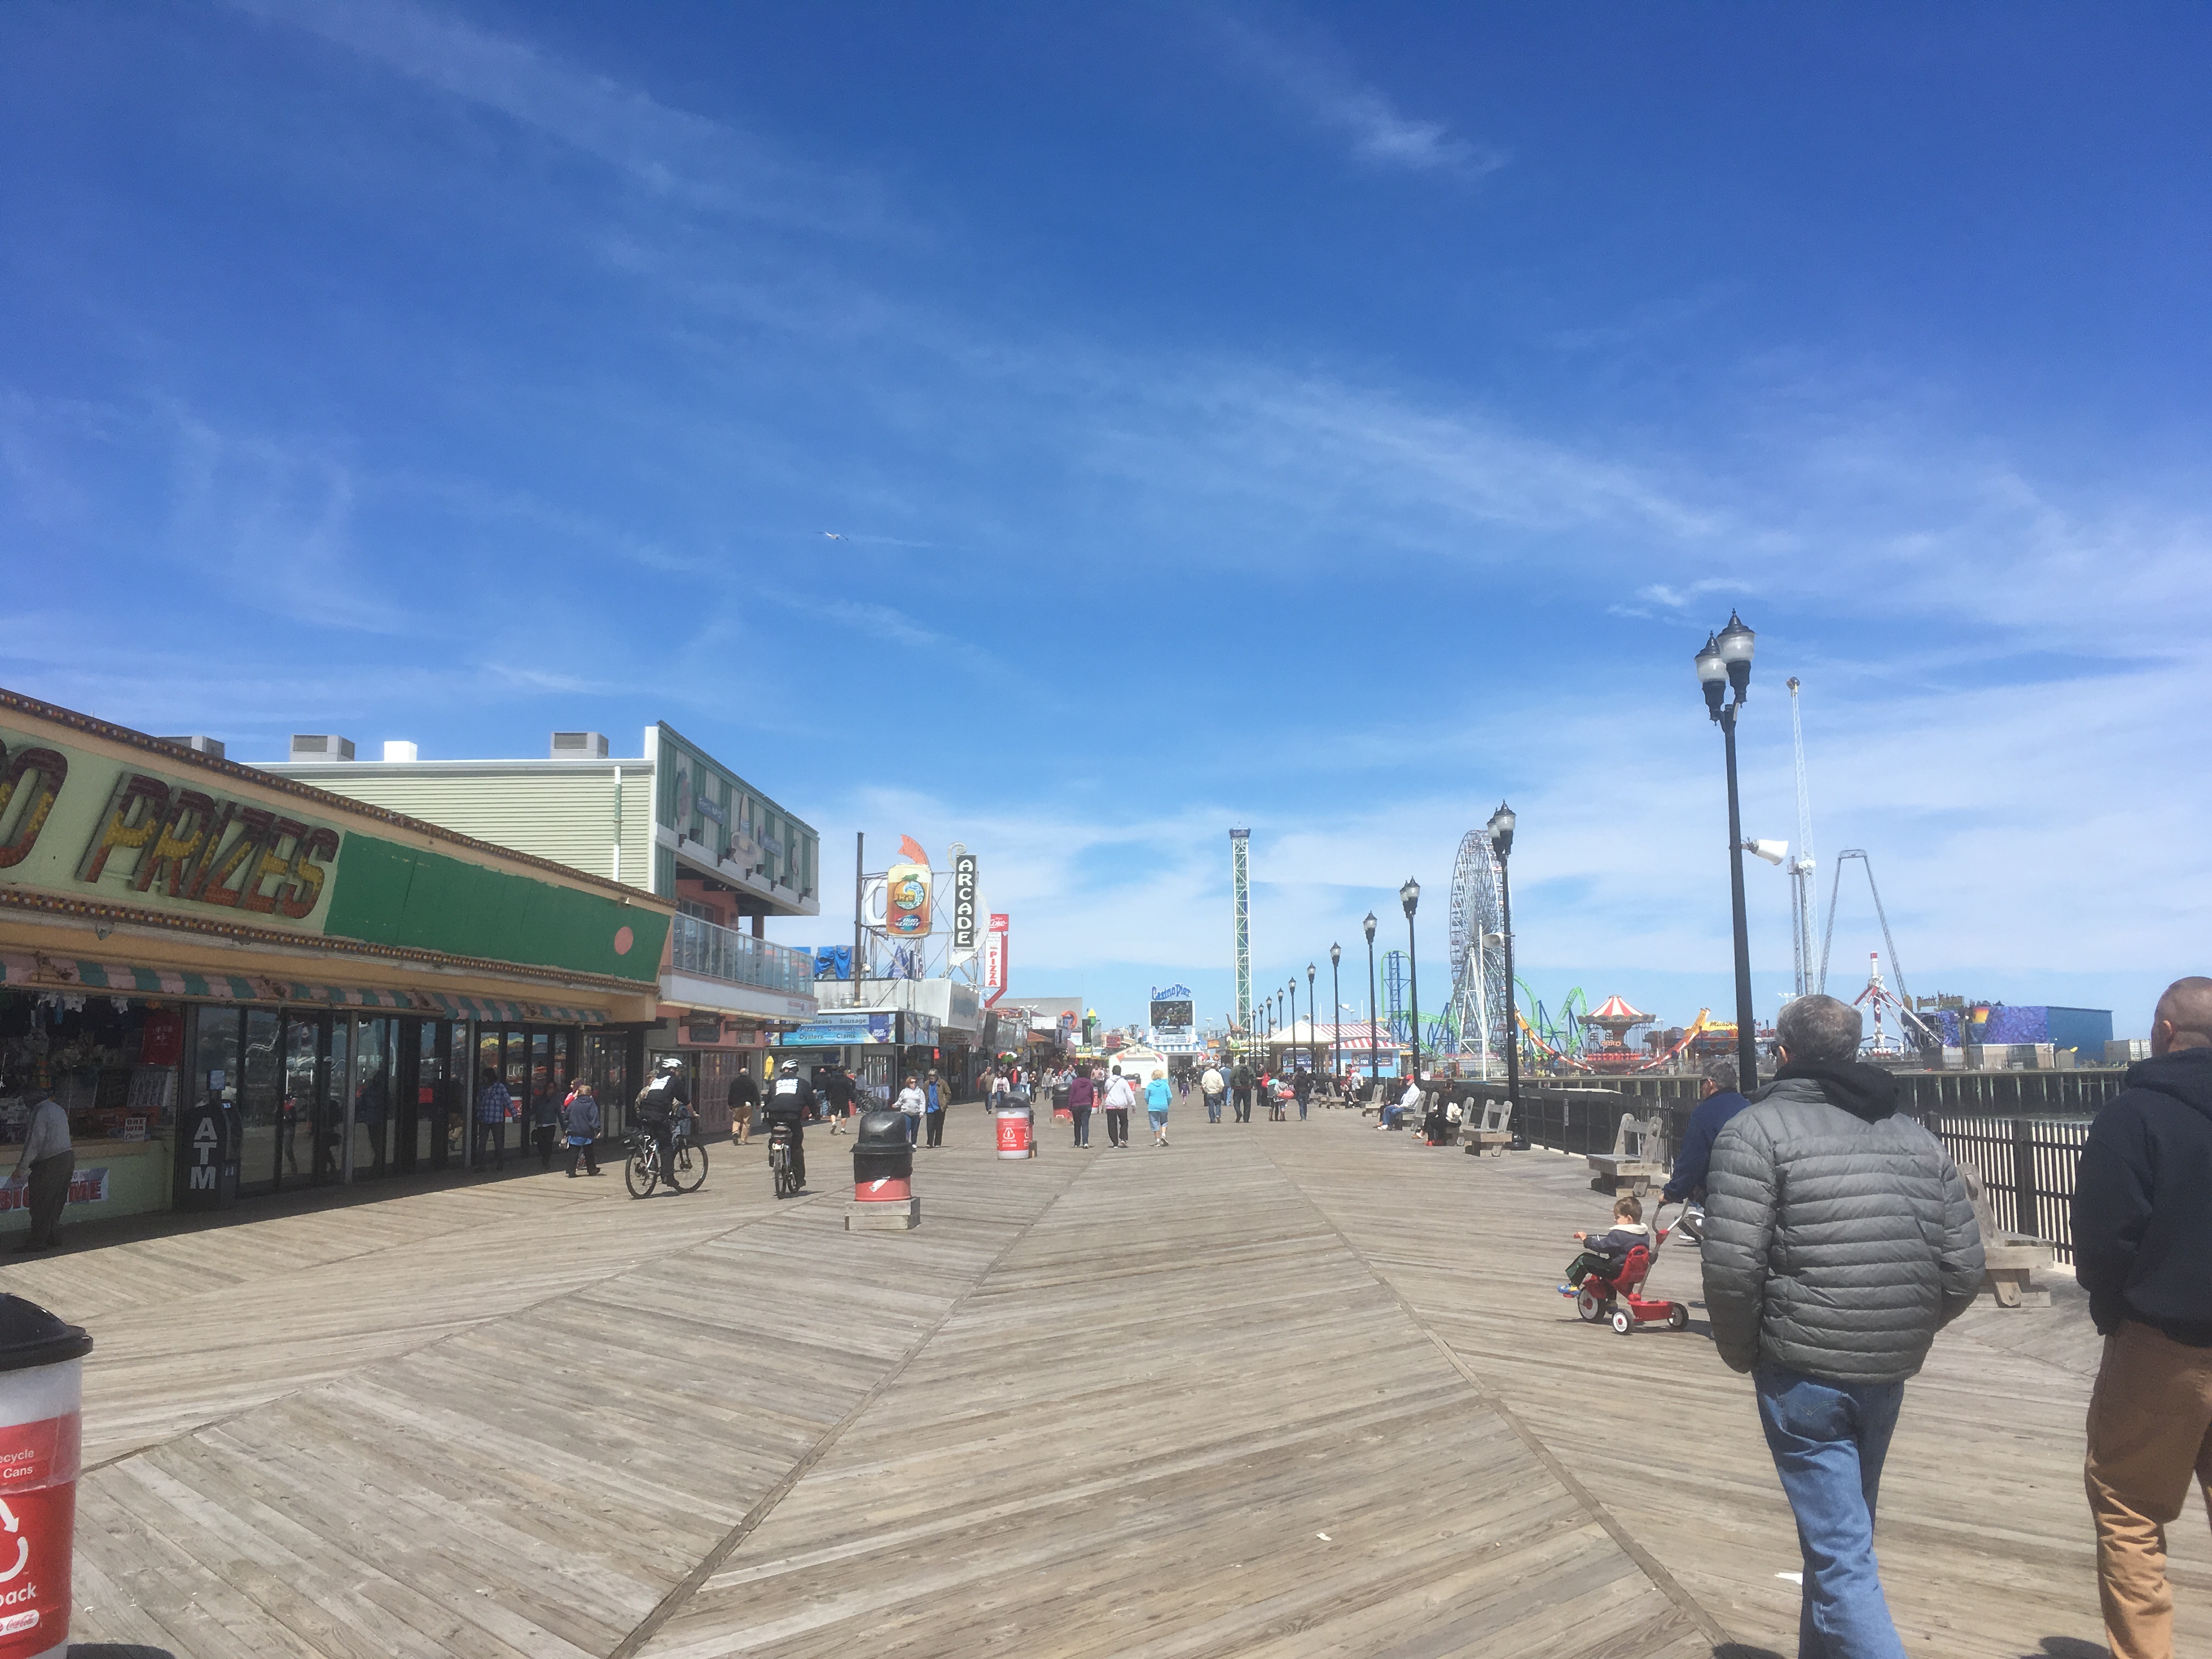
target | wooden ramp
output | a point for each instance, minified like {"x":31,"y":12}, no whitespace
{"x":1281,"y":1389}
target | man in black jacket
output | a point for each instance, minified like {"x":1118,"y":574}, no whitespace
{"x":1240,"y":1085}
{"x":2143,"y":1250}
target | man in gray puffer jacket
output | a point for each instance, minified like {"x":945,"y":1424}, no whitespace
{"x":1838,"y":1239}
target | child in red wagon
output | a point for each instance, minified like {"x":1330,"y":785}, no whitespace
{"x":1607,"y":1250}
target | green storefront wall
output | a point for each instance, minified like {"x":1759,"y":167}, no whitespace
{"x":387,"y":894}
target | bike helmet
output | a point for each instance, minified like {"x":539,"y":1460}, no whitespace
{"x":669,"y":1063}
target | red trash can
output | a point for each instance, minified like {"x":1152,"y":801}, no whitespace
{"x":41,"y":1389}
{"x":1015,"y":1137}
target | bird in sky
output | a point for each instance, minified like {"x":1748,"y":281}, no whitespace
{"x":833,"y":535}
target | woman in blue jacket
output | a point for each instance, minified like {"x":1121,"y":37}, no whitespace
{"x":1156,"y":1095}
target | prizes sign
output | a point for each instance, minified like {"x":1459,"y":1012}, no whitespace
{"x":964,"y":904}
{"x":995,"y":961}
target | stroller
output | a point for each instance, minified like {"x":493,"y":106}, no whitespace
{"x":1612,"y":1299}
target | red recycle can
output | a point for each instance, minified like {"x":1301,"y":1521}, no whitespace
{"x":42,"y":1392}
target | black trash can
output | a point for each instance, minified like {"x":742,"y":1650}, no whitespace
{"x":882,"y":1155}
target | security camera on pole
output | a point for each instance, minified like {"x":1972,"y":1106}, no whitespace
{"x":1724,"y":665}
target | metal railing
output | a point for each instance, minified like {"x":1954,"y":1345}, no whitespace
{"x":701,"y":947}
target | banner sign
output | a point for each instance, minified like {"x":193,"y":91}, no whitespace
{"x":964,"y":904}
{"x":86,"y":1186}
{"x":835,"y":1030}
{"x":906,"y":901}
{"x":994,"y":960}
{"x":1170,"y":1011}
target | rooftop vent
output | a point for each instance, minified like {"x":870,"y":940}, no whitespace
{"x":309,"y":746}
{"x":211,"y":747}
{"x":398,"y":748}
{"x":579,"y":745}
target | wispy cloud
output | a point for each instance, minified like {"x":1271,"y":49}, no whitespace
{"x":1335,"y":99}
{"x":670,"y":153}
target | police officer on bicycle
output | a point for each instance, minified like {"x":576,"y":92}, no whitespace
{"x":790,"y":1103}
{"x":658,"y":1105}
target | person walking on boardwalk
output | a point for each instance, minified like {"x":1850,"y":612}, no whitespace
{"x":1120,"y":1097}
{"x":580,"y":1126}
{"x":1213,"y":1087}
{"x":744,"y":1104}
{"x":1082,"y":1096}
{"x":1721,"y":1101}
{"x":934,"y":1108}
{"x":911,"y":1102}
{"x":45,"y":1167}
{"x":1157,"y":1096}
{"x":2142,"y":1235}
{"x":1838,"y":1240}
{"x":492,"y":1103}
{"x":1240,"y":1079}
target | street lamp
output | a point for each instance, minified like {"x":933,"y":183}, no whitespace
{"x":1501,"y":843}
{"x":1313,"y":1063}
{"x":1724,"y":665}
{"x":1374,"y":1048}
{"x":1291,"y":1030}
{"x":1335,"y":1018}
{"x":1409,"y":895}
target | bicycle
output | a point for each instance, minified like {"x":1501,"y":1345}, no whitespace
{"x":779,"y":1162}
{"x":643,"y":1172}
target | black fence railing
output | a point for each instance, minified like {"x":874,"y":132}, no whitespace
{"x":2026,"y":1165}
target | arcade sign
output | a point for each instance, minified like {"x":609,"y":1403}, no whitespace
{"x":964,"y":904}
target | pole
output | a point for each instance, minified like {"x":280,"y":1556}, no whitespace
{"x":1512,"y":1011}
{"x":1374,"y":1043}
{"x":859,"y":905}
{"x":1335,"y":1024}
{"x":1313,"y":1016}
{"x":1293,"y":1027}
{"x":1746,"y":1036}
{"x":1414,"y":972}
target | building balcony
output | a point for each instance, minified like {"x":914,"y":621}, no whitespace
{"x":699,"y":950}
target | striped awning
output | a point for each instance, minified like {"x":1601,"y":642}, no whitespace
{"x":68,"y":975}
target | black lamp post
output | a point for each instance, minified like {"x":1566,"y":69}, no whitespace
{"x":1373,"y":1046}
{"x":1291,"y":1030}
{"x":1724,"y":665}
{"x":1409,"y":895}
{"x":1335,"y":1018}
{"x":1501,"y":843}
{"x":1313,"y":1062}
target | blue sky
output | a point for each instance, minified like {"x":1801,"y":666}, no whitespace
{"x":1330,"y":421}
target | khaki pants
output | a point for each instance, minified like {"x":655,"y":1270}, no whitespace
{"x":2150,"y":1427}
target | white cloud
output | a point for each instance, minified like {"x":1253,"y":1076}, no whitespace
{"x":1378,"y":133}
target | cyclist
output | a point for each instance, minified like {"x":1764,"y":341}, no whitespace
{"x":790,"y":1103}
{"x":658,"y":1105}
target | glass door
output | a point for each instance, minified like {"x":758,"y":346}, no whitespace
{"x":261,"y":1101}
{"x":304,"y":1057}
{"x":372,"y":1097}
{"x":328,"y":1127}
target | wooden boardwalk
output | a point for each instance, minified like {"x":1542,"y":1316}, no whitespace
{"x":1280,"y":1389}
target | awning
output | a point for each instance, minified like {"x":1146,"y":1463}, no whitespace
{"x":69,"y":976}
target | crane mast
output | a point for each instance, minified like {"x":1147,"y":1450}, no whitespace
{"x":1802,"y":896}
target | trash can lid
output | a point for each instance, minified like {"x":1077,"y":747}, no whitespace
{"x":30,"y":1336}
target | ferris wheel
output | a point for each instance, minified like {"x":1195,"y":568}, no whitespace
{"x":1477,"y":1018}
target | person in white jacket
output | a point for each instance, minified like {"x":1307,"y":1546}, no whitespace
{"x":913,"y":1102}
{"x":1121,"y":1095}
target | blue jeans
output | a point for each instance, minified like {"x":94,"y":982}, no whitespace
{"x":1828,"y":1440}
{"x":1213,"y":1108}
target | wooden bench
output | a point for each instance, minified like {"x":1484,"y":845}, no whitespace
{"x":1494,"y":1134}
{"x":1637,"y":1161}
{"x":2008,"y":1260}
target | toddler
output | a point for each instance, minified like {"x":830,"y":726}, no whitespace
{"x":1608,"y":1250}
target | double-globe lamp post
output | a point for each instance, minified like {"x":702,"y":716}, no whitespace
{"x":1335,"y":1018}
{"x":1410,"y":896}
{"x":1724,"y":665}
{"x":1501,"y":843}
{"x":1373,"y":1046}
